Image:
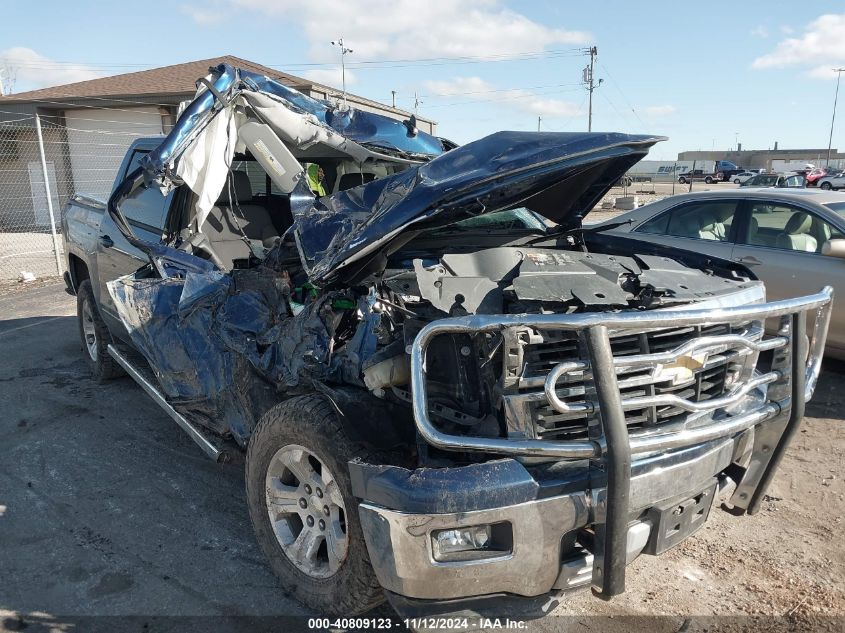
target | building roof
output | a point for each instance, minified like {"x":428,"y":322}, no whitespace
{"x":177,"y":81}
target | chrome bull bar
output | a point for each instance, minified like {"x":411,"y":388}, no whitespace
{"x":821,"y":302}
{"x":795,"y":373}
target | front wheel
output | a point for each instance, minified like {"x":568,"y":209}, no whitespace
{"x":826,"y":186}
{"x":302,"y":509}
{"x":683,"y":181}
{"x":708,"y":180}
{"x":736,"y":181}
{"x":94,"y":335}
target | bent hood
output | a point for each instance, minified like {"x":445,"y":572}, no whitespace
{"x":561,"y":176}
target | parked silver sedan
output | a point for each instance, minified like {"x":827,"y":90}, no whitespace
{"x":792,"y":239}
{"x":832,"y":181}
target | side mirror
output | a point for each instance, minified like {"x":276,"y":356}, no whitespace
{"x":834,"y":248}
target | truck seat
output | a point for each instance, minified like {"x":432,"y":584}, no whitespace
{"x":220,"y":227}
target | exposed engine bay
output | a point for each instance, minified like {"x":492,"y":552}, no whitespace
{"x":209,"y":334}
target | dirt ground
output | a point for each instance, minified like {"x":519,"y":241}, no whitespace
{"x":108,"y":509}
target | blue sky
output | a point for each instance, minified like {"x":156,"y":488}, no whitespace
{"x":705,"y":79}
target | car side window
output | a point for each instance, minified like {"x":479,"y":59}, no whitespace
{"x":786,"y":227}
{"x":656,"y":225}
{"x":146,"y":208}
{"x":706,"y":220}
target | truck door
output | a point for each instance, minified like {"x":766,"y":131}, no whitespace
{"x":146,"y":212}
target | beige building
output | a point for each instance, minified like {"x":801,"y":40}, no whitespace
{"x":768,"y":158}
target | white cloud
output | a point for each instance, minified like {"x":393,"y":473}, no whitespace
{"x":458,"y":86}
{"x":552,"y":108}
{"x":332,"y":77}
{"x":660,"y":110}
{"x":760,"y":31}
{"x":204,"y":16}
{"x":477,"y":89}
{"x":407,"y":29}
{"x":823,"y":41}
{"x":787,"y":30}
{"x":31,"y":70}
{"x":824,"y":71}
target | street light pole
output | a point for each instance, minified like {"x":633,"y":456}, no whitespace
{"x":343,"y":51}
{"x":838,"y":72}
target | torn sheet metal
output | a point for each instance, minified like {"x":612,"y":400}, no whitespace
{"x":296,"y":118}
{"x":559,"y":175}
{"x":207,"y":334}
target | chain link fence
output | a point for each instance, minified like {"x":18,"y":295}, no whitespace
{"x":40,"y":169}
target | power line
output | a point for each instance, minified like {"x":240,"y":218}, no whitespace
{"x":459,"y":59}
{"x":529,"y":95}
{"x":619,"y":90}
{"x":478,"y":92}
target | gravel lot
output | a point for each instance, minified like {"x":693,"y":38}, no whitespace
{"x":107,"y":508}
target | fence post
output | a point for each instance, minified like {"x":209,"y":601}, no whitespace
{"x":49,"y":195}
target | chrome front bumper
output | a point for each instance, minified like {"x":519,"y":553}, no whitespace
{"x":400,"y":543}
{"x":632,"y":470}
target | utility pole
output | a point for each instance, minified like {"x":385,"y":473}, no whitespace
{"x":2,"y":89}
{"x":838,"y":72}
{"x":343,"y":51}
{"x":589,"y":79}
{"x":393,"y":92}
{"x":417,"y":103}
{"x":538,"y":123}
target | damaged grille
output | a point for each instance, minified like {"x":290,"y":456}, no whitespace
{"x":532,"y":356}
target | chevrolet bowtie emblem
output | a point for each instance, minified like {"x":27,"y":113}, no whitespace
{"x":682,"y":370}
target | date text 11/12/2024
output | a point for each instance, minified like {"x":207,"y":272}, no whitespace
{"x":426,"y":623}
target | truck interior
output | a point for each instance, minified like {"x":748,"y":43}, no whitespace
{"x":252,"y":213}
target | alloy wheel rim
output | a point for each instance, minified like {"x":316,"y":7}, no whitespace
{"x":89,"y":330}
{"x":306,"y":511}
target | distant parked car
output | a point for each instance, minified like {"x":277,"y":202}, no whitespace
{"x":775,"y":180}
{"x":742,"y":176}
{"x":832,"y":181}
{"x":814,"y":175}
{"x":696,"y":174}
{"x":790,"y":238}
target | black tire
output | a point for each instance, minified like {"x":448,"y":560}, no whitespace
{"x":103,"y":366}
{"x":708,"y":180}
{"x":736,"y":181}
{"x":826,"y":186}
{"x":682,"y":180}
{"x":311,"y":422}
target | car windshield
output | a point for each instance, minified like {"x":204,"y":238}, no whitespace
{"x":520,"y":219}
{"x":838,"y":207}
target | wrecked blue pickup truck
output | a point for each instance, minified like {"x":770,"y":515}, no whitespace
{"x":450,"y":392}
